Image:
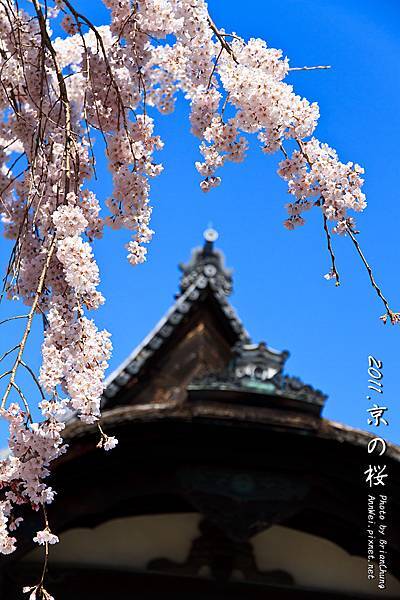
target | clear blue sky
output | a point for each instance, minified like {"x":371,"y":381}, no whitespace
{"x":280,"y":292}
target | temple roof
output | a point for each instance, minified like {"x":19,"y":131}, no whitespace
{"x":244,"y":365}
{"x":205,"y":275}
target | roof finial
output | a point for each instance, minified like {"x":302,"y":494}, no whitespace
{"x":207,"y":263}
{"x":210,"y":236}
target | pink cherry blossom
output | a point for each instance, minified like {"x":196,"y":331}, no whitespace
{"x":45,"y":537}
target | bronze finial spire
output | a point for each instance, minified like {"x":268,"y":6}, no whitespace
{"x":209,"y":263}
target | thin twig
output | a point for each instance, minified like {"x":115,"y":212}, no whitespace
{"x":14,"y":318}
{"x":225,"y":104}
{"x":327,"y":234}
{"x":213,"y":69}
{"x":32,"y":312}
{"x":283,"y":150}
{"x":330,"y":250}
{"x":310,"y":68}
{"x":35,"y":379}
{"x":221,"y":37}
{"x":394,"y":317}
{"x":46,"y":551}
{"x":8,"y":352}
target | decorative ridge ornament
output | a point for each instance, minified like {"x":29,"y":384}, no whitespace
{"x":258,"y":361}
{"x":259,"y":369}
{"x":208,"y":262}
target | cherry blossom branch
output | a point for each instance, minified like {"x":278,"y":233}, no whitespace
{"x":221,"y":38}
{"x":107,"y":442}
{"x":20,"y":393}
{"x":63,"y":95}
{"x":35,"y":379}
{"x":46,"y":552}
{"x":44,"y":537}
{"x":7,"y":353}
{"x":67,"y":175}
{"x":319,"y":67}
{"x":28,"y":327}
{"x":334,"y":270}
{"x":393,"y":316}
{"x":214,"y":68}
{"x":79,"y":16}
{"x":14,"y":318}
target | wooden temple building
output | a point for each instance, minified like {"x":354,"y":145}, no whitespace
{"x":227,"y":483}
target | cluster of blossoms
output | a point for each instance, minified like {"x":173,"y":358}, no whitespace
{"x":33,"y":447}
{"x":246,"y":81}
{"x":56,"y":94}
{"x":37,"y":592}
{"x":45,"y":537}
{"x":108,"y":442}
{"x":316,"y":172}
{"x":75,"y":356}
{"x":53,"y":218}
{"x":129,"y":205}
